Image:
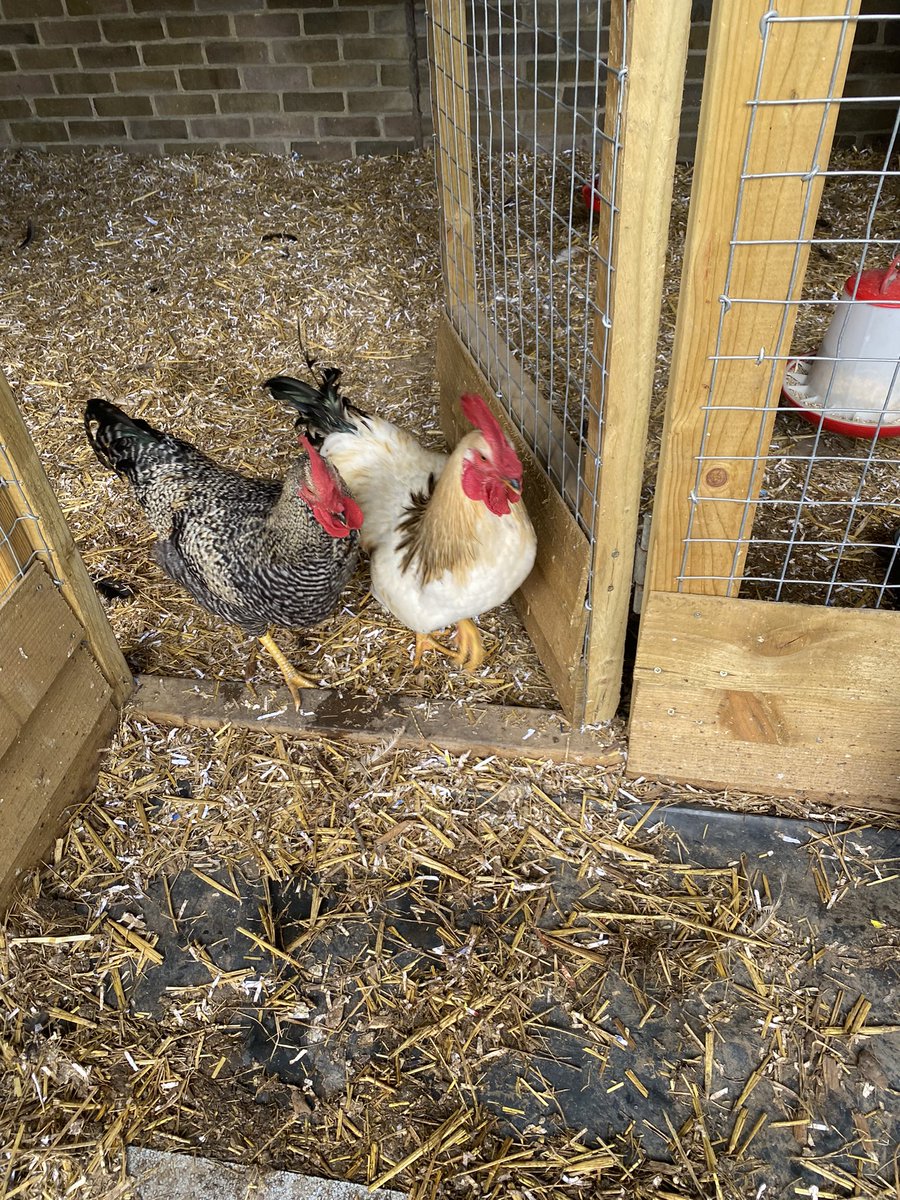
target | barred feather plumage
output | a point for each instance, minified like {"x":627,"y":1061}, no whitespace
{"x":249,"y":550}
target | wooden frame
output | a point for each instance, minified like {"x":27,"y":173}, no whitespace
{"x":582,"y":652}
{"x":771,"y":209}
{"x":780,"y":699}
{"x":63,"y":678}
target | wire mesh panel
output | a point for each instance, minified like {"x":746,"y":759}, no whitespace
{"x":795,"y":489}
{"x":21,"y":538}
{"x":523,"y":289}
{"x":543,"y":179}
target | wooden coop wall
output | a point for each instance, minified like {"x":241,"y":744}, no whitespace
{"x":62,"y":676}
{"x":729,"y":692}
{"x":582,"y":470}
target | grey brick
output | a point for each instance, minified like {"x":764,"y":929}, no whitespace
{"x":351,"y":127}
{"x":267,"y":25}
{"x":210,"y":26}
{"x":328,"y":151}
{"x":249,"y":102}
{"x":172,"y":54}
{"x":7,"y":62}
{"x":155,"y":128}
{"x":70,"y":32}
{"x":380,"y":101}
{"x":45,"y":58}
{"x":236,"y":51}
{"x":314,"y":102}
{"x":17,"y":83}
{"x":394,"y":75}
{"x":133,"y":29}
{"x":20,"y":33}
{"x":12,"y":9}
{"x":85,"y":83}
{"x":399,"y":127}
{"x":63,"y":106}
{"x":123,"y":106}
{"x":210,"y":79}
{"x":95,"y":8}
{"x":157,"y":7}
{"x":146,"y":81}
{"x":17,"y":107}
{"x":347,"y":20}
{"x":98,"y":131}
{"x":254,"y":147}
{"x":382,"y":49}
{"x":181,"y":104}
{"x":220,"y":127}
{"x":24,"y":132}
{"x":92,"y":57}
{"x":390,"y":19}
{"x":345,"y":75}
{"x":287,"y":126}
{"x":306,"y":50}
{"x":272,"y":79}
{"x":234,"y":6}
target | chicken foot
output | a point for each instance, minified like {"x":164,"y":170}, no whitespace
{"x":292,"y":677}
{"x":470,"y":649}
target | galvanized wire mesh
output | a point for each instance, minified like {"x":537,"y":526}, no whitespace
{"x":543,"y":231}
{"x":21,"y":539}
{"x":821,"y":513}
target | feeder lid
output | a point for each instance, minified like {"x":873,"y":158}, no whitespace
{"x":879,"y":287}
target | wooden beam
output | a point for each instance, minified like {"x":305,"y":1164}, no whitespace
{"x":643,"y":180}
{"x":786,"y":137}
{"x":778,"y":699}
{"x":51,"y":528}
{"x":450,"y":102}
{"x":551,"y":600}
{"x":506,"y":732}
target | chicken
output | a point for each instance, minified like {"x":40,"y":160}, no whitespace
{"x":257,"y":552}
{"x":888,"y":557}
{"x":449,"y":536}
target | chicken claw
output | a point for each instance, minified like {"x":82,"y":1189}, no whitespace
{"x":292,"y":677}
{"x":424,"y":641}
{"x":470,"y":655}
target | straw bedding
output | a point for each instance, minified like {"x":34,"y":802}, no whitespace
{"x":446,"y":903}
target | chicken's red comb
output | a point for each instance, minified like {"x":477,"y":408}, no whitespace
{"x":504,"y":457}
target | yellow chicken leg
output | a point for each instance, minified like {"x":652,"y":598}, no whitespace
{"x":424,"y":641}
{"x":470,"y":655}
{"x":292,"y":677}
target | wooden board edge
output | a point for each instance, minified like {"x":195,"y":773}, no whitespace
{"x":502,"y":731}
{"x":658,"y":693}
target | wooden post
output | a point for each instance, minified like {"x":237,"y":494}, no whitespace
{"x":644,"y":178}
{"x":65,"y":561}
{"x":802,"y":61}
{"x":450,"y":90}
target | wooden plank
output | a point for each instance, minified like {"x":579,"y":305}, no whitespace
{"x":52,"y":763}
{"x":644,"y":180}
{"x":450,"y":101}
{"x":798,"y":63}
{"x":551,"y":602}
{"x":65,"y":564}
{"x":506,"y":732}
{"x":779,"y":699}
{"x":38,"y":634}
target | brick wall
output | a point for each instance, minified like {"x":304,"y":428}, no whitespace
{"x":322,"y":78}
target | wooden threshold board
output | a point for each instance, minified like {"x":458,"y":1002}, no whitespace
{"x":408,"y":722}
{"x":777,"y":699}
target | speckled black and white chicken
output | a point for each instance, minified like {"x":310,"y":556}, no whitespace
{"x":256,"y":552}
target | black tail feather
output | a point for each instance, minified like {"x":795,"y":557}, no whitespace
{"x":115,"y":437}
{"x":322,"y":409}
{"x":889,"y":561}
